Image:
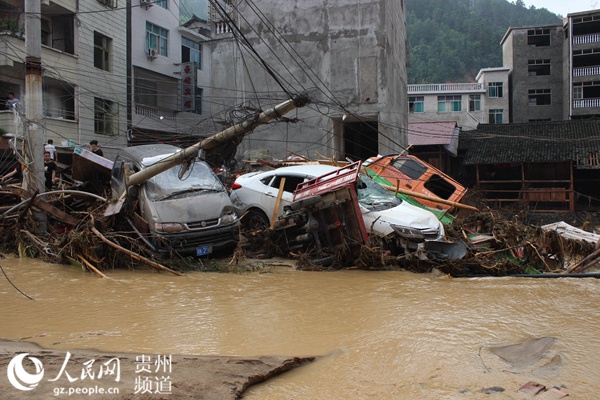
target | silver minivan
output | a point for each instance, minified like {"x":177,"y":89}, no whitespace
{"x":186,"y":210}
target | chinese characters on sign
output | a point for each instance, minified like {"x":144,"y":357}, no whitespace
{"x":111,"y":367}
{"x":153,"y":375}
{"x":188,"y":86}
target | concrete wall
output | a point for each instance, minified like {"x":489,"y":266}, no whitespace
{"x":466,"y":120}
{"x":94,"y":82}
{"x":349,"y":53}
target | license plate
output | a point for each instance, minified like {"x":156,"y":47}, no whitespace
{"x":204,"y":250}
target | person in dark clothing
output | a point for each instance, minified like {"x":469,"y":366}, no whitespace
{"x":96,"y":149}
{"x":49,"y":170}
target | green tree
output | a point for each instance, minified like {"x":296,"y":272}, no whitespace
{"x":450,"y":41}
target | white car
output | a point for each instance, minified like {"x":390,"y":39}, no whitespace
{"x":254,"y":196}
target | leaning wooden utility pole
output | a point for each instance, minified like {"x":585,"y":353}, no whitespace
{"x":33,"y":145}
{"x":217,"y":139}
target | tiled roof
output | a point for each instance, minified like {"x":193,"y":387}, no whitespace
{"x":428,"y":133}
{"x":530,"y":142}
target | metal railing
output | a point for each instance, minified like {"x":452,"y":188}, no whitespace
{"x":154,"y":112}
{"x":586,"y":103}
{"x":583,"y":39}
{"x":445,"y":87}
{"x":587,"y":71}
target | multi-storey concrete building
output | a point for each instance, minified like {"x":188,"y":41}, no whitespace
{"x":170,"y":72}
{"x":581,"y":55}
{"x":555,"y":69}
{"x":349,"y":56}
{"x":469,"y":104}
{"x":83,"y":61}
{"x":535,"y":57}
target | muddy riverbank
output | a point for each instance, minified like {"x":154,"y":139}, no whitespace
{"x":178,"y":377}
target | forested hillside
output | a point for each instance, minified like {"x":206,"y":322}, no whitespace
{"x":451,"y":40}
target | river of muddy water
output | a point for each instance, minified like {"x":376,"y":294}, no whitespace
{"x":380,"y":335}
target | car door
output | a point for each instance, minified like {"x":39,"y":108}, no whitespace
{"x":269,"y":198}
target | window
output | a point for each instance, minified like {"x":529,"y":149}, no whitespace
{"x":496,"y":116}
{"x":58,"y":32}
{"x":578,"y":92}
{"x":540,"y":97}
{"x":416,"y":104}
{"x":474,"y":102}
{"x":101,"y":51}
{"x":538,"y":67}
{"x":157,"y":38}
{"x":191,"y":52}
{"x":161,"y":3}
{"x":495,"y":89}
{"x":451,"y":103}
{"x":104,"y":113}
{"x":291,"y":182}
{"x":109,"y":3}
{"x":538,"y":37}
{"x":409,"y":167}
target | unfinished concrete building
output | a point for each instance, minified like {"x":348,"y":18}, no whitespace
{"x":349,"y":57}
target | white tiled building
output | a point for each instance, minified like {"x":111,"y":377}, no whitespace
{"x":469,"y":104}
{"x":170,"y":72}
{"x":83,"y":62}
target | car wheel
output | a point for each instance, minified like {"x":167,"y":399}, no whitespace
{"x":254,"y":220}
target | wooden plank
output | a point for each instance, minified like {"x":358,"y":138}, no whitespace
{"x":277,"y":202}
{"x":58,"y":213}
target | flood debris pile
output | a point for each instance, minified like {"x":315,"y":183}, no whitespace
{"x":323,"y":228}
{"x":77,"y":233}
{"x":498,"y":245}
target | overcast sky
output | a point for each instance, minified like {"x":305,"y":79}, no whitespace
{"x":564,"y":7}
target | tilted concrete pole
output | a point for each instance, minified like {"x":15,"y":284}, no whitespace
{"x":225,"y":135}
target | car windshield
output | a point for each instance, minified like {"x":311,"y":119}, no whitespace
{"x":198,"y":178}
{"x":374,"y":197}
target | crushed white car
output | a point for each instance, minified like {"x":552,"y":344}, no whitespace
{"x":389,"y":221}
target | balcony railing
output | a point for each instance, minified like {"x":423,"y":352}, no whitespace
{"x":587,"y":71}
{"x":445,"y":87}
{"x":222,"y":27}
{"x":583,"y":39}
{"x":154,"y":112}
{"x":586,"y":103}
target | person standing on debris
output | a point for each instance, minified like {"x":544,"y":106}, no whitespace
{"x":96,"y":149}
{"x":49,"y":147}
{"x":9,"y":164}
{"x":12,"y":101}
{"x":49,"y":170}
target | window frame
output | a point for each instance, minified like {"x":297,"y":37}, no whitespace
{"x":474,"y":102}
{"x":102,"y":51}
{"x":104,"y":116}
{"x":538,"y":37}
{"x":191,"y":45}
{"x":493,"y":116}
{"x":540,"y":97}
{"x":416,"y":104}
{"x":452,"y":103}
{"x":157,"y":38}
{"x":538,"y":67}
{"x":495,"y":90}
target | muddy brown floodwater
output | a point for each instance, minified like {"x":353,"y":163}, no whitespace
{"x":382,"y":335}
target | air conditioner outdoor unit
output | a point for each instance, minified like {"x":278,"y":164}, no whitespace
{"x":146,"y":3}
{"x":151,"y":53}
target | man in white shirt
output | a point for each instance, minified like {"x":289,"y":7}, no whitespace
{"x":12,"y":101}
{"x":50,"y":148}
